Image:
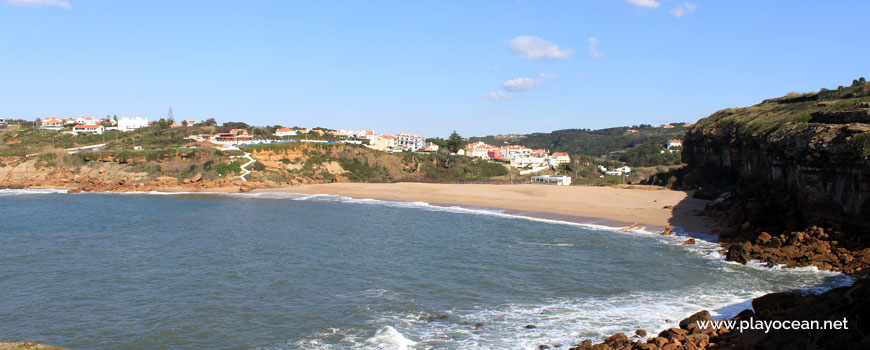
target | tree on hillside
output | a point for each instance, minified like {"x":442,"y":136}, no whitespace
{"x":455,"y":142}
{"x":210,"y":122}
{"x":236,"y":125}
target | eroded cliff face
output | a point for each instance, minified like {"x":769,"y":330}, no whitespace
{"x":806,"y":174}
{"x":790,"y":162}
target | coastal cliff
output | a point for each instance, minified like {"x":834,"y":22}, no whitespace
{"x":793,"y":161}
{"x":789,"y":178}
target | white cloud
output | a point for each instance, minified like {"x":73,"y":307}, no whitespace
{"x":520,"y":84}
{"x":644,"y":3}
{"x":513,"y":86}
{"x":39,"y":3}
{"x":535,"y":48}
{"x":683,"y":9}
{"x":498,"y":96}
{"x":593,"y":48}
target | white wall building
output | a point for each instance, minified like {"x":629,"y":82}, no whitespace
{"x":285,"y":132}
{"x":129,"y":124}
{"x":88,"y":129}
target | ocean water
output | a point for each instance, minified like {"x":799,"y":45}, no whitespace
{"x":287,"y":271}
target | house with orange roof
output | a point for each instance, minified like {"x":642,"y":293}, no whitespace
{"x":479,"y":149}
{"x":674,"y":143}
{"x":385,"y":143}
{"x":52,"y":123}
{"x":560,"y":158}
{"x":88,"y":129}
{"x":632,"y":131}
{"x":285,"y":132}
{"x":86,"y":121}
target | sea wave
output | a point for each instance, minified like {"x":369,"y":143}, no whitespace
{"x":556,"y":322}
{"x":22,"y":192}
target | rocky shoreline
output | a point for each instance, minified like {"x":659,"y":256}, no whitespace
{"x":850,"y":303}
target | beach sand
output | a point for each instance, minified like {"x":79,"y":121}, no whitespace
{"x":653,"y":207}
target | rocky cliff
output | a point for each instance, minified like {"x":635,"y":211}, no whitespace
{"x":788,"y":163}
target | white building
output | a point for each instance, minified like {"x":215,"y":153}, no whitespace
{"x":88,"y":129}
{"x":86,"y":121}
{"x":285,"y":132}
{"x":410,"y":142}
{"x":674,"y":143}
{"x":52,"y":123}
{"x":129,"y":124}
{"x":552,"y":180}
{"x":560,"y":158}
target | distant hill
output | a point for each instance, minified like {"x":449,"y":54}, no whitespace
{"x":613,"y":143}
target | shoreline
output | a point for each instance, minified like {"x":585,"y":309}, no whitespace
{"x":652,"y":207}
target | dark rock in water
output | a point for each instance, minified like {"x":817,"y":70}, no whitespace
{"x":689,"y":241}
{"x":478,"y":325}
{"x":738,"y":252}
{"x":698,"y":316}
{"x":640,"y":333}
{"x":543,"y":346}
{"x":531,"y":326}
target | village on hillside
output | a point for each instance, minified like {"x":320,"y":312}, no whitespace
{"x":527,"y":160}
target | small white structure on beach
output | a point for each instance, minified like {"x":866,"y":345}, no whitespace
{"x":560,"y":180}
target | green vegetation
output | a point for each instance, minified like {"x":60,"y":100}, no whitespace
{"x":649,"y":154}
{"x":793,"y":110}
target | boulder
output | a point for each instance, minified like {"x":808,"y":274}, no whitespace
{"x":197,"y":177}
{"x":640,"y":333}
{"x":738,"y":252}
{"x":763,"y":238}
{"x":618,"y":341}
{"x":689,"y":241}
{"x":698,"y":316}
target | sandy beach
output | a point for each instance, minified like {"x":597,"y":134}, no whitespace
{"x":646,"y":205}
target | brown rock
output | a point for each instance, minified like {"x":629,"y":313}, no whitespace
{"x":738,"y":252}
{"x":672,"y":334}
{"x":167,"y":179}
{"x":640,"y":333}
{"x":197,"y":177}
{"x":531,"y":326}
{"x":689,"y":241}
{"x":698,"y":316}
{"x":618,"y":341}
{"x":763,"y":238}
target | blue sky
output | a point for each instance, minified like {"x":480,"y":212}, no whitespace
{"x":425,"y":67}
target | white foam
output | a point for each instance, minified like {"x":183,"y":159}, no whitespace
{"x":389,"y":338}
{"x":16,"y":192}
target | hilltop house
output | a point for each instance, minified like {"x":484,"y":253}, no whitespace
{"x":385,"y":142}
{"x":52,"y":123}
{"x":88,"y":129}
{"x":285,"y":132}
{"x":674,"y":143}
{"x":560,"y":158}
{"x":86,"y":121}
{"x":478,"y":150}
